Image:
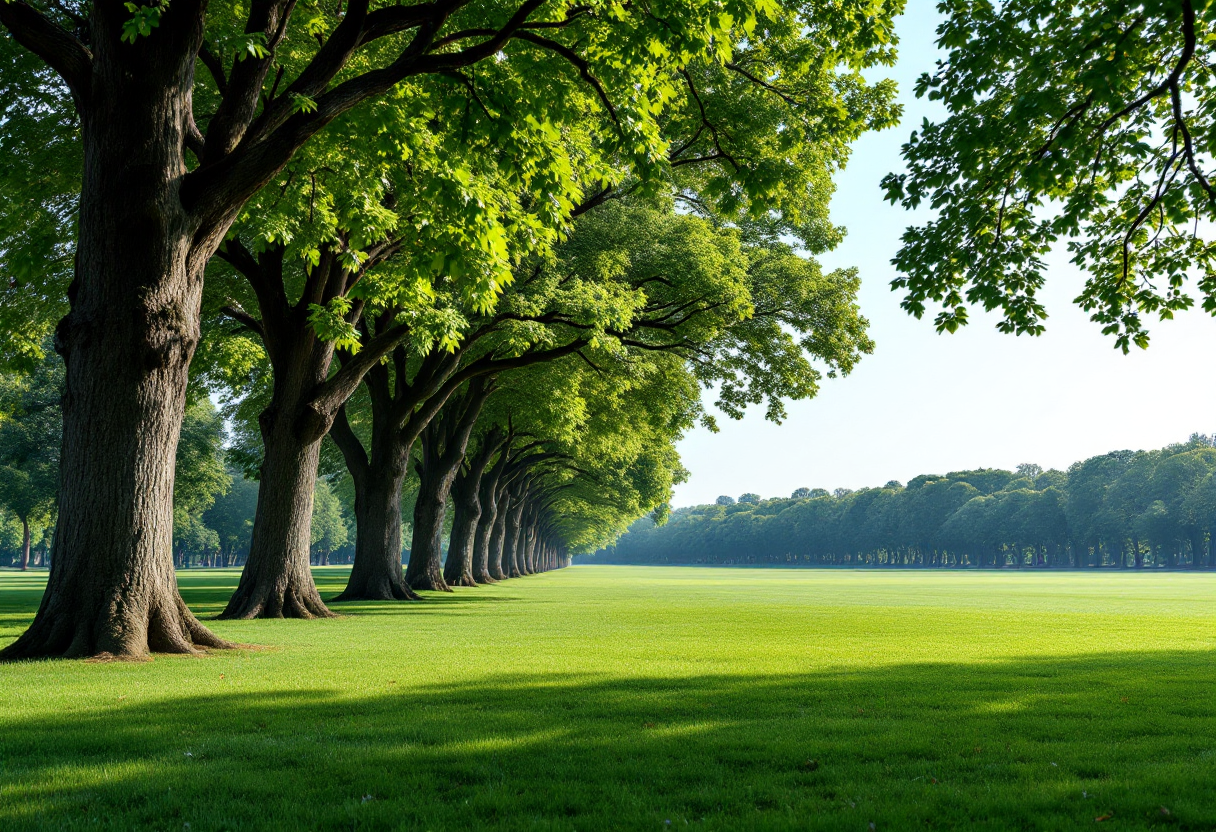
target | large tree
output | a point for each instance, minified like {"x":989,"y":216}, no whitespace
{"x":1091,"y":123}
{"x":162,"y":182}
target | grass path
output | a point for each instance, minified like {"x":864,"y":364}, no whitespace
{"x":643,"y":698}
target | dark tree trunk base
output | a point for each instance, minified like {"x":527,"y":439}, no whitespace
{"x":484,"y":578}
{"x":118,"y":633}
{"x":296,"y":600}
{"x":385,"y":589}
{"x":463,"y":580}
{"x":430,"y":579}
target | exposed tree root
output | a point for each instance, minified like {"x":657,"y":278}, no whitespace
{"x":119,"y":631}
{"x":430,"y":579}
{"x":384,"y":589}
{"x":262,"y":601}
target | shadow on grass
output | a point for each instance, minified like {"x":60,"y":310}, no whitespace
{"x":1044,"y":744}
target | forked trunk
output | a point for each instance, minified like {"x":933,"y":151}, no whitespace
{"x":444,"y":443}
{"x":127,"y":344}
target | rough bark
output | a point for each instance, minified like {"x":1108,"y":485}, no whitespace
{"x":486,"y":523}
{"x":276,"y":581}
{"x":444,"y":443}
{"x":498,"y":539}
{"x":514,"y":531}
{"x":127,"y":344}
{"x":467,"y":505}
{"x":424,"y":569}
{"x":376,"y":574}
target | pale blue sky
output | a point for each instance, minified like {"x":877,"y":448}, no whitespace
{"x":929,"y":403}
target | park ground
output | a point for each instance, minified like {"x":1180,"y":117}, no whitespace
{"x":643,"y":698}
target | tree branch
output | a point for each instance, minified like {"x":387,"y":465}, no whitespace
{"x":60,"y":49}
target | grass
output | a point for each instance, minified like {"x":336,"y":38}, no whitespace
{"x":643,"y":698}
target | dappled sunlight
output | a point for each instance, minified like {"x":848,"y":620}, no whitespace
{"x":885,"y":736}
{"x":606,"y":699}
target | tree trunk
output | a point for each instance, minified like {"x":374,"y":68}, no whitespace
{"x":276,"y":581}
{"x":498,"y":539}
{"x":529,"y":564}
{"x":488,"y":492}
{"x":425,"y":567}
{"x":444,"y":443}
{"x":25,"y":544}
{"x":466,"y":504}
{"x":127,"y":344}
{"x":377,"y":574}
{"x":510,"y":546}
{"x":482,"y":538}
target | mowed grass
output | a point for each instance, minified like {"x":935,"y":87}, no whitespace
{"x":643,"y":698}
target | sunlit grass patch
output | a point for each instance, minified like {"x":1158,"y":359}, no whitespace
{"x":615,"y":697}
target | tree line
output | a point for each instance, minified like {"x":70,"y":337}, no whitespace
{"x":499,"y":247}
{"x":461,"y":268}
{"x":1126,"y":509}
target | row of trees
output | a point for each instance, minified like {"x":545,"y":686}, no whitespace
{"x":495,"y":247}
{"x":417,"y":229}
{"x":1143,"y":509}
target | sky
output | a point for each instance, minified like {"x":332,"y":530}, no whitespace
{"x":926,"y":403}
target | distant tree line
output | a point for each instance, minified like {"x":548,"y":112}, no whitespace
{"x":1125,"y":509}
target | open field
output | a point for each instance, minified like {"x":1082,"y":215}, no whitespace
{"x":643,"y":698}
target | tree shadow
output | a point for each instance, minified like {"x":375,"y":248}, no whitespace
{"x":1025,"y":744}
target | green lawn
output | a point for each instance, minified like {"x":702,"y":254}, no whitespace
{"x":643,"y":698}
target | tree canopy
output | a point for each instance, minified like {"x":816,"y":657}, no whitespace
{"x":1090,"y":124}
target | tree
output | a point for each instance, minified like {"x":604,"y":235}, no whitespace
{"x":30,"y":424}
{"x":162,"y":183}
{"x":232,"y":516}
{"x":725,"y":500}
{"x":749,"y":499}
{"x":200,"y":478}
{"x":1091,"y":122}
{"x":329,"y":530}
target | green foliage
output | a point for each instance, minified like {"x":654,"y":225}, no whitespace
{"x":200,"y":477}
{"x":231,"y":515}
{"x":707,"y":691}
{"x":30,"y":426}
{"x":329,"y":529}
{"x":1090,"y":122}
{"x":142,"y":21}
{"x":39,"y":184}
